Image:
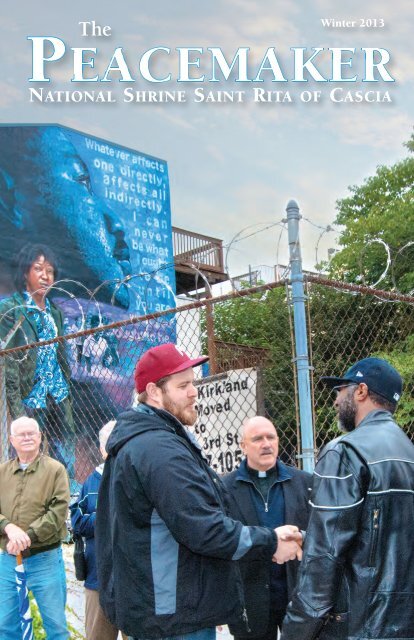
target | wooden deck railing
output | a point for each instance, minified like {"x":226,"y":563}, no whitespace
{"x":204,"y":251}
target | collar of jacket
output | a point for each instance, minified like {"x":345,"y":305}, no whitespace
{"x":32,"y":466}
{"x":178,"y":427}
{"x":283,"y":472}
{"x":21,"y":303}
{"x":162,"y":413}
{"x":31,"y":305}
{"x":374,"y":416}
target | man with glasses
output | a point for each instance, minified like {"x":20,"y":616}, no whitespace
{"x":34,"y":497}
{"x":356,"y":578}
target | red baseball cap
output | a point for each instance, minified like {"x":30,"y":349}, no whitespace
{"x":162,"y":361}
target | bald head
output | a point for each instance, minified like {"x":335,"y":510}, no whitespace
{"x":260,"y":443}
{"x":256,"y":421}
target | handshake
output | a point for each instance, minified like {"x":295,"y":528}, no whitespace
{"x":289,"y":544}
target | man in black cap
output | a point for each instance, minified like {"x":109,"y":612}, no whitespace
{"x":165,"y":547}
{"x":356,"y":578}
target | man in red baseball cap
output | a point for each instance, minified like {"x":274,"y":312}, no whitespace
{"x":165,"y":546}
{"x":155,"y":366}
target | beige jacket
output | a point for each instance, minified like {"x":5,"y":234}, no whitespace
{"x":36,"y":500}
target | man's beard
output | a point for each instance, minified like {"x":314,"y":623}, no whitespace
{"x":187,"y":415}
{"x":347,"y":412}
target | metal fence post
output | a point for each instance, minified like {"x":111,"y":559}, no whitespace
{"x":4,"y":436}
{"x":301,"y":340}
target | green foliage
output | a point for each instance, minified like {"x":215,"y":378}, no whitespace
{"x":344,"y":328}
{"x":379,"y":210}
{"x":382,"y":208}
{"x":402,"y":358}
{"x":261,"y":320}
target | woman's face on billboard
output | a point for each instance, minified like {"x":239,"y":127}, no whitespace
{"x":54,"y":203}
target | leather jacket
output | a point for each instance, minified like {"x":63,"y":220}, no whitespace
{"x":356,"y":578}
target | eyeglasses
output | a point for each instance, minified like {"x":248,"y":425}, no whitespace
{"x":29,"y":435}
{"x":339,"y":387}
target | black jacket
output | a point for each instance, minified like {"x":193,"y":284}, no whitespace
{"x":357,"y":580}
{"x":164,"y":544}
{"x":256,"y":573}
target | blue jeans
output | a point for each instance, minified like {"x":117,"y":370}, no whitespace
{"x":45,"y":578}
{"x":202,"y":634}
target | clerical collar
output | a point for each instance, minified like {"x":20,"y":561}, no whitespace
{"x":262,"y":474}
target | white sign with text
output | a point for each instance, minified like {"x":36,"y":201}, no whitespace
{"x":224,"y":403}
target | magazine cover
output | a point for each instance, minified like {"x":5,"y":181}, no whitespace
{"x":134,"y":133}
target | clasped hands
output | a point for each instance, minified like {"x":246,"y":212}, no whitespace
{"x":289,"y":544}
{"x":18,"y":539}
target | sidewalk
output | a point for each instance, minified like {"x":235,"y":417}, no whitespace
{"x":75,"y":608}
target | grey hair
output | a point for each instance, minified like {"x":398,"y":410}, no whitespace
{"x":105,"y":432}
{"x":24,"y":420}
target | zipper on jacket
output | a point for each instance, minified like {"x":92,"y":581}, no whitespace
{"x":265,"y":502}
{"x":375,"y":527}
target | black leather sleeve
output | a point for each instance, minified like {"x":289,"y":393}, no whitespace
{"x":336,"y":500}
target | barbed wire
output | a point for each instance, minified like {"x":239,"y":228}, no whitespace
{"x":344,"y":287}
{"x":90,"y":296}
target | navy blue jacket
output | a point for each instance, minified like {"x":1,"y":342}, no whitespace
{"x":257,"y":573}
{"x":164,"y":542}
{"x":83,"y":514}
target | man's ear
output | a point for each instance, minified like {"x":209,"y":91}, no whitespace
{"x":153,"y":392}
{"x":361,"y":392}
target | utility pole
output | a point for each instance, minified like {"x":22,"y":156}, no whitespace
{"x":301,"y":339}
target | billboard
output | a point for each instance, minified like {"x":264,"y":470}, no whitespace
{"x":104,"y":210}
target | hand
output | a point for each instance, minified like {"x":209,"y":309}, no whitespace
{"x":289,"y":544}
{"x":18,"y":539}
{"x":289,"y":532}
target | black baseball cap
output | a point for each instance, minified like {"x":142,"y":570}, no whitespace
{"x":379,"y":376}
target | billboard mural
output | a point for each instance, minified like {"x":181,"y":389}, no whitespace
{"x":104,"y":211}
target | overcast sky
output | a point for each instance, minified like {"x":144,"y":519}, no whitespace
{"x":230,"y":165}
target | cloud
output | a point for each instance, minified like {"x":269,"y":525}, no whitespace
{"x":176,"y":121}
{"x":359,"y":126}
{"x":9,"y":94}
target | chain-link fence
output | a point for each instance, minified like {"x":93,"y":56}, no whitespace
{"x":249,"y":336}
{"x":348,"y":323}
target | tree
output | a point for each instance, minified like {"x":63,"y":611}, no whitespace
{"x":261,"y":321}
{"x":381,"y":209}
